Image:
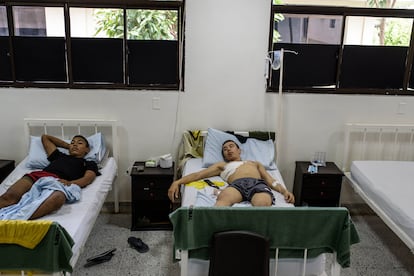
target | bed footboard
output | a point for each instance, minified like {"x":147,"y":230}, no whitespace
{"x":293,"y":232}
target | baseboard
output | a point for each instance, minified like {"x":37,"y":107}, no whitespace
{"x":124,"y":207}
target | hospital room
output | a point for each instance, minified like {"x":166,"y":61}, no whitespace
{"x":312,"y":98}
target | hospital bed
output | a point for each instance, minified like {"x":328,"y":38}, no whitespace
{"x":299,"y":236}
{"x":58,"y":252}
{"x":378,"y":161}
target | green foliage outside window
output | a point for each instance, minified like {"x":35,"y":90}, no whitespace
{"x":141,"y":24}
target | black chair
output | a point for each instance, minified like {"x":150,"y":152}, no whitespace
{"x":239,"y":253}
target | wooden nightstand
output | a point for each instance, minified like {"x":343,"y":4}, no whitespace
{"x":150,"y":203}
{"x":318,"y":189}
{"x":6,"y":167}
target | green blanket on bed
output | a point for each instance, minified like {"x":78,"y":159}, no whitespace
{"x":52,"y":254}
{"x":289,"y":229}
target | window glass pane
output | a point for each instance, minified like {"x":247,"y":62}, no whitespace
{"x":152,"y":24}
{"x":307,"y":29}
{"x":3,"y":21}
{"x":38,"y":21}
{"x":378,"y":31}
{"x":46,"y":64}
{"x":90,"y":22}
{"x":97,"y":60}
{"x":398,"y":4}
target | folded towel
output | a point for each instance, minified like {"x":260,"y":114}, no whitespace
{"x":39,"y":192}
{"x":22,"y":232}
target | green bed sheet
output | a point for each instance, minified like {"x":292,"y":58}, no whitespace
{"x":52,"y":254}
{"x":320,"y":230}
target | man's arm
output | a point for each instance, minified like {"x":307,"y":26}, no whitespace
{"x":84,"y":181}
{"x":174,"y":189}
{"x":50,"y":143}
{"x":274,"y":184}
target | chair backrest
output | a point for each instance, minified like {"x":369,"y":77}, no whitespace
{"x":239,"y":253}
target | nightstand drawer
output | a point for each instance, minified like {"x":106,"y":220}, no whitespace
{"x":311,"y":181}
{"x":151,"y":195}
{"x":320,"y":194}
{"x":149,"y":183}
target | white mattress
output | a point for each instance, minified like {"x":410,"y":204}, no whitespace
{"x":390,"y":185}
{"x":77,"y":218}
{"x":286,"y":267}
{"x":190,"y":195}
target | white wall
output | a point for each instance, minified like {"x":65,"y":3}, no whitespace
{"x":226,"y":42}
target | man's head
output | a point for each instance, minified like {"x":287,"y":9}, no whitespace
{"x":79,"y":146}
{"x":230,"y":151}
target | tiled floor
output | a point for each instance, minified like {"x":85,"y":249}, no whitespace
{"x":380,"y":252}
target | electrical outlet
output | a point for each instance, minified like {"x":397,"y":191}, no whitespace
{"x":156,"y":103}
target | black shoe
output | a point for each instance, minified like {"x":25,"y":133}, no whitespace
{"x":101,"y":258}
{"x":138,"y":244}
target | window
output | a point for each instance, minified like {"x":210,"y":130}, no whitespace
{"x":133,"y":45}
{"x":343,"y":50}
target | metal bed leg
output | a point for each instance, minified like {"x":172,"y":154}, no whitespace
{"x":305,"y":259}
{"x":335,"y":268}
{"x":276,"y":260}
{"x":184,"y":262}
{"x":116,"y":197}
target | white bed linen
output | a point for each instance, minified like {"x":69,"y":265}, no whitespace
{"x":189,"y":194}
{"x":390,"y":185}
{"x":77,"y":218}
{"x":286,"y":267}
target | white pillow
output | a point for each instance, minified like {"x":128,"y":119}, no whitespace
{"x":262,"y":151}
{"x":97,"y":148}
{"x":214,"y":143}
{"x":38,"y":158}
{"x":252,"y":149}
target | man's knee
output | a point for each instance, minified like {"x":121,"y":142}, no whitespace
{"x":8,"y":199}
{"x":57,"y":199}
{"x":51,"y":204}
{"x":262,"y":199}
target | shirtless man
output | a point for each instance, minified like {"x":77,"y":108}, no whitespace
{"x":69,"y":169}
{"x":248,"y":180}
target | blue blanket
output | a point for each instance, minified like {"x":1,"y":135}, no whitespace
{"x":39,"y":192}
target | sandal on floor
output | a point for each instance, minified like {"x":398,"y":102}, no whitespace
{"x":138,"y":244}
{"x":101,"y":258}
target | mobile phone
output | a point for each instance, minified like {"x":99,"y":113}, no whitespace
{"x":211,"y":184}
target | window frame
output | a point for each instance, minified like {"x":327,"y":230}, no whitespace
{"x":178,"y":5}
{"x":346,"y":12}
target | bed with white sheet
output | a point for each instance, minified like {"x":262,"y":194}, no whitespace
{"x":378,"y":161}
{"x":192,"y":223}
{"x":74,"y":221}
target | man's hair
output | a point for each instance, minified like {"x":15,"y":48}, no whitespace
{"x":83,"y":138}
{"x":222,"y":152}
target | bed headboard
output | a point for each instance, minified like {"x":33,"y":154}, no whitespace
{"x":67,"y":128}
{"x":365,"y":141}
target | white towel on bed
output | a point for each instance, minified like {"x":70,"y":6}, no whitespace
{"x":40,"y":191}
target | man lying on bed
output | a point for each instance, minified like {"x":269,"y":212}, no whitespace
{"x":248,"y":180}
{"x":67,"y":169}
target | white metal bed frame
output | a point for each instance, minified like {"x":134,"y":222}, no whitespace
{"x":184,"y":254}
{"x":379,"y":142}
{"x":66,"y":128}
{"x":58,"y":127}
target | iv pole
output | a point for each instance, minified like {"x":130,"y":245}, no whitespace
{"x":279,"y":127}
{"x":280,"y":107}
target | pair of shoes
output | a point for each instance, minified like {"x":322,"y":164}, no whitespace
{"x":101,"y":258}
{"x":138,"y":244}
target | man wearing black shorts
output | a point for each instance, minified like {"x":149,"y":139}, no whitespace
{"x":248,"y":180}
{"x":69,"y":169}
